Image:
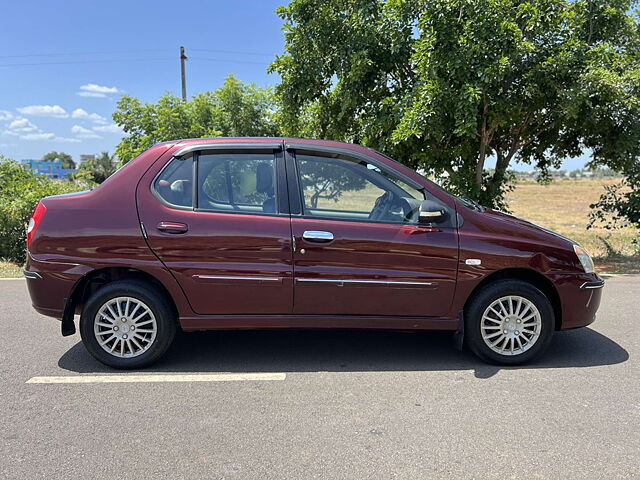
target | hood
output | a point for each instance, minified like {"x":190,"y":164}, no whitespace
{"x":525,"y":225}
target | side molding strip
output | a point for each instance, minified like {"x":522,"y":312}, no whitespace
{"x":228,"y":277}
{"x":340,"y":282}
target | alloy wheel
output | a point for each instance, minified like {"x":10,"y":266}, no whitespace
{"x":511,"y":325}
{"x":125,"y":327}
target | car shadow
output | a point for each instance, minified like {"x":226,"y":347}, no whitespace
{"x":348,"y":351}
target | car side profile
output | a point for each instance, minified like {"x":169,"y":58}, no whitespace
{"x":266,"y":233}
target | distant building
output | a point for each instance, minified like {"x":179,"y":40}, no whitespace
{"x":85,"y":157}
{"x":52,"y":169}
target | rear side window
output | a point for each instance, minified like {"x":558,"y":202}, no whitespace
{"x":175,"y":183}
{"x":240,"y":182}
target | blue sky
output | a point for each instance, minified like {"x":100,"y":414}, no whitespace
{"x":63,"y":64}
{"x":54,"y":95}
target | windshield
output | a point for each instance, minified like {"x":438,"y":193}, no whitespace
{"x":467,"y":202}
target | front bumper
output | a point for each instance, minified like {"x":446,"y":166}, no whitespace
{"x":580,"y":296}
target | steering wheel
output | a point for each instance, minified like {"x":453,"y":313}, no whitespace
{"x":387,"y":207}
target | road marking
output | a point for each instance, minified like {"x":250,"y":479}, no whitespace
{"x":163,"y":378}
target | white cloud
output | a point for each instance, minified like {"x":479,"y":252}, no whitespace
{"x":22,"y":125}
{"x":91,"y":94}
{"x":113,"y":128}
{"x":25,"y":130}
{"x":38,"y":136}
{"x":5,"y":115}
{"x":82,"y":132}
{"x":48,"y":136}
{"x":44,"y":111}
{"x":83,"y":114}
{"x":99,"y":91}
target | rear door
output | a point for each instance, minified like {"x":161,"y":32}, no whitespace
{"x":359,"y":249}
{"x":218,"y":219}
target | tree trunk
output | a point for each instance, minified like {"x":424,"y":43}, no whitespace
{"x":484,"y":142}
{"x":502,"y":163}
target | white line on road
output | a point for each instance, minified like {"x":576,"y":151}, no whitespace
{"x":163,"y":378}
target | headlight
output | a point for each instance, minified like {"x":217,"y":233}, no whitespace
{"x":585,"y":259}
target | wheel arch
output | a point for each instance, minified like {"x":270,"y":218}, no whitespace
{"x":92,"y":281}
{"x":533,"y":277}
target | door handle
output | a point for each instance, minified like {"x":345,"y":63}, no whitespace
{"x":317,"y":236}
{"x":173,"y":227}
{"x":418,"y":229}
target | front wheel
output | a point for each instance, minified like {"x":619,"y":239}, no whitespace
{"x":509,"y":322}
{"x":127,"y":324}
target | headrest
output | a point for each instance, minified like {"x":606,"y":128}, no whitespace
{"x":264,"y":179}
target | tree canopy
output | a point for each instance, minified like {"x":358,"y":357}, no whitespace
{"x":98,"y":168}
{"x":446,"y":85}
{"x":235,"y":109}
{"x":20,"y":191}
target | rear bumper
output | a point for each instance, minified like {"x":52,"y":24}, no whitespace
{"x":49,"y":283}
{"x":580,"y":296}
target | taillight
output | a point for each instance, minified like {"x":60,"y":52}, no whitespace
{"x":36,"y":218}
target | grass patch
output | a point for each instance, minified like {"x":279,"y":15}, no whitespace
{"x":10,"y":270}
{"x":618,"y":264}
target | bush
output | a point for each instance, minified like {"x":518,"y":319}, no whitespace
{"x":20,"y":191}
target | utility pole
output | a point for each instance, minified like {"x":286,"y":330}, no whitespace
{"x":183,"y":57}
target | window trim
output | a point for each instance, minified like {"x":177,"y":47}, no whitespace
{"x":160,"y":198}
{"x":276,"y":149}
{"x":276,"y":188}
{"x":315,"y":149}
{"x":202,"y":147}
{"x":320,"y":152}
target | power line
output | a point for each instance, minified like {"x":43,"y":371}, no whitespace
{"x":81,"y":53}
{"x":223,"y":60}
{"x":120,"y":52}
{"x":232,"y":52}
{"x":73,"y":62}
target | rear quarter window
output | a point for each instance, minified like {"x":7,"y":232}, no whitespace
{"x":174,"y":185}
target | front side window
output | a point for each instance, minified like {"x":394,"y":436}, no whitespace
{"x":348,"y":189}
{"x":174,"y":185}
{"x":241,"y":182}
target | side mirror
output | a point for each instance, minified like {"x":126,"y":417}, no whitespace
{"x":432,"y":212}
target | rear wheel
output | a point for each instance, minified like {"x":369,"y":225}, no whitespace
{"x":509,"y":322}
{"x":127,"y":324}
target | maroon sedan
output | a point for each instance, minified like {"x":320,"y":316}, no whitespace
{"x":254,"y":233}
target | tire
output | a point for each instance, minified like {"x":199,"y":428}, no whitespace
{"x":518,"y":327}
{"x":136,"y":343}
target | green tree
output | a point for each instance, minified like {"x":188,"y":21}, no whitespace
{"x":620,"y":204}
{"x":20,"y":191}
{"x":99,"y":167}
{"x":446,"y":85}
{"x":65,"y":158}
{"x":235,"y":109}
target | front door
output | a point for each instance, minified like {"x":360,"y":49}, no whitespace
{"x":359,"y":249}
{"x":225,"y":236}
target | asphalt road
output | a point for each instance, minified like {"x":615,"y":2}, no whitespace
{"x":351,"y":405}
